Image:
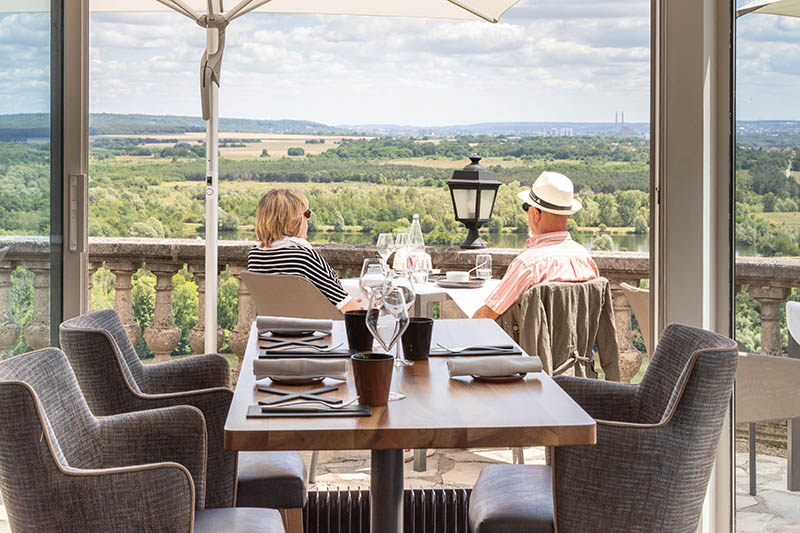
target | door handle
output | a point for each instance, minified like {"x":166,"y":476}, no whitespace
{"x":78,"y":212}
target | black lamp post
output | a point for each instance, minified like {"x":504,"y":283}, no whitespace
{"x":473,"y":191}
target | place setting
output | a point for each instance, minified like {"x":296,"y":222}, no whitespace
{"x":494,"y":369}
{"x":297,"y":337}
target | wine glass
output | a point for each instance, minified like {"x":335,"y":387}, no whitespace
{"x":401,"y":247}
{"x":385,"y":246}
{"x":418,"y":266}
{"x":403,"y":281}
{"x":387,"y":319}
{"x":373,"y":275}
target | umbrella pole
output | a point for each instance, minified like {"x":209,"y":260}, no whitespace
{"x":212,"y":200}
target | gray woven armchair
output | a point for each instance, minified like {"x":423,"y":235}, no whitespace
{"x":114,"y":380}
{"x":62,"y":469}
{"x":656,"y":443}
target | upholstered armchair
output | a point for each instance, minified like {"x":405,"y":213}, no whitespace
{"x":63,"y":469}
{"x":656,"y":443}
{"x":114,"y":380}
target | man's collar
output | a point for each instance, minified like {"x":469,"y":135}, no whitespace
{"x":546,"y":238}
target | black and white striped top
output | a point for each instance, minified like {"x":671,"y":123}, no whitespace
{"x":293,"y":258}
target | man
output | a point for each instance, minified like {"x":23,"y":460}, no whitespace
{"x":550,"y":254}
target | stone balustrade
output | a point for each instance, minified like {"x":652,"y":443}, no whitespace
{"x":769,"y":281}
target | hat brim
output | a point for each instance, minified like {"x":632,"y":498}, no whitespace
{"x":525,"y":196}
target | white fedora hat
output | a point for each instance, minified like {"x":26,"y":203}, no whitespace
{"x":552,"y":192}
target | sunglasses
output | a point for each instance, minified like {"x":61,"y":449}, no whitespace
{"x":307,"y":214}
{"x":527,"y":206}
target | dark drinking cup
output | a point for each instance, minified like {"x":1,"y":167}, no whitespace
{"x":358,"y":336}
{"x":372,"y":373}
{"x":417,"y":339}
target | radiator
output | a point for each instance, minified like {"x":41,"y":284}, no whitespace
{"x":425,"y":511}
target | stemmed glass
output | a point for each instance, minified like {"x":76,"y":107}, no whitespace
{"x":387,"y":319}
{"x":401,"y":244}
{"x":385,"y":246}
{"x":373,"y":275}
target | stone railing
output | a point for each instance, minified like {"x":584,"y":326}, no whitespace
{"x":768,"y":280}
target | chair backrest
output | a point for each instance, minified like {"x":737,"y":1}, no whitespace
{"x":688,"y":386}
{"x":640,"y":303}
{"x":288,"y":295}
{"x":44,"y":422}
{"x":104,"y":360}
{"x":537,"y":322}
{"x":766,"y":385}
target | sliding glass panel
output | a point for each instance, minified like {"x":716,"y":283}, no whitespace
{"x":768,"y":269}
{"x":30,"y":180}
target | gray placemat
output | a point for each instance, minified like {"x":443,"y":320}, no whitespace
{"x":254,"y":411}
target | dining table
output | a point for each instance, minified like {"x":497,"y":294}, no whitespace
{"x":437,"y":412}
{"x":468,"y":300}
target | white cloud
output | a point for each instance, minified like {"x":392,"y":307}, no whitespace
{"x":546,"y":60}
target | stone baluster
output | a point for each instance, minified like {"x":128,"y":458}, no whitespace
{"x":9,"y":327}
{"x":92,"y":269}
{"x":771,"y":299}
{"x":37,"y":331}
{"x":197,"y":334}
{"x":630,"y":360}
{"x":123,"y":302}
{"x":238,"y":337}
{"x":163,"y":335}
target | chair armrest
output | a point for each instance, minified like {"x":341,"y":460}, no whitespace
{"x":149,"y":497}
{"x":603,"y":400}
{"x":173,"y":434}
{"x":196,"y":372}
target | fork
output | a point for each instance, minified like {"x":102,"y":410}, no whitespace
{"x":302,"y":348}
{"x":309,"y":403}
{"x":459,"y":349}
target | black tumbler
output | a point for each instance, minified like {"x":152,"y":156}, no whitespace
{"x":417,"y":339}
{"x":358,"y":336}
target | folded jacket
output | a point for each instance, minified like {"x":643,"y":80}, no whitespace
{"x":300,"y":368}
{"x":493,"y":366}
{"x":289,"y":324}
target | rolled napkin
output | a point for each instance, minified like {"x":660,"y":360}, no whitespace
{"x":493,"y":366}
{"x":288,"y":324}
{"x":300,"y":368}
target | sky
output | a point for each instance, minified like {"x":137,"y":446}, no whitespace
{"x":547,"y":60}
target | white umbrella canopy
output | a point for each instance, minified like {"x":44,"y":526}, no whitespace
{"x":787,"y":8}
{"x":214,"y":16}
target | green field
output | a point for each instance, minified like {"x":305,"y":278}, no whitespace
{"x":790,"y":220}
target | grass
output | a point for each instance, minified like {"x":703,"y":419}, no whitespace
{"x":789,"y":219}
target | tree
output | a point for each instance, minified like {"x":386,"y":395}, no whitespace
{"x":603,"y":242}
{"x":264,"y":153}
{"x":296,"y":151}
{"x":641,"y":224}
{"x":227,"y":222}
{"x":338,"y":222}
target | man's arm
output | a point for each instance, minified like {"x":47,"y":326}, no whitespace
{"x":485,"y":312}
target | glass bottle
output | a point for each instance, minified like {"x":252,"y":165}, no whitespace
{"x":416,"y":241}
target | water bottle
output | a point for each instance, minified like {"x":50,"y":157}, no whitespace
{"x":416,"y":242}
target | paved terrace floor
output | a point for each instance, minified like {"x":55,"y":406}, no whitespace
{"x":772,"y":510}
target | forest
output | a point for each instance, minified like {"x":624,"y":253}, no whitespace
{"x":152,"y":186}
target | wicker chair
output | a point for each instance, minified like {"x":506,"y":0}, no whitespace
{"x":114,"y":380}
{"x":63,"y":469}
{"x":656,"y":443}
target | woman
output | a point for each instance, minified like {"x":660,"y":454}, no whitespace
{"x":281,"y":228}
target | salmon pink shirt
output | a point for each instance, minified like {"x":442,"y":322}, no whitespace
{"x":546,"y":257}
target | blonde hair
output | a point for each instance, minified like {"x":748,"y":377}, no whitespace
{"x":279,"y":215}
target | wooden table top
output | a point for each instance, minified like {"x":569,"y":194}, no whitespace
{"x":438,"y":412}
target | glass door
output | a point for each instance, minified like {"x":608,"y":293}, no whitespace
{"x":31,"y":169}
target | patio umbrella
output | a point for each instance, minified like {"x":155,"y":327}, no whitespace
{"x":787,"y":8}
{"x":214,"y":16}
